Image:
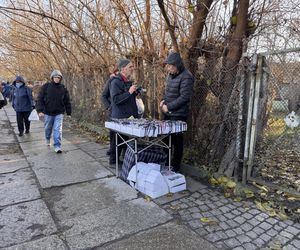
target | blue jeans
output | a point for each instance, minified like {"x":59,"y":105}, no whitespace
{"x":54,"y":122}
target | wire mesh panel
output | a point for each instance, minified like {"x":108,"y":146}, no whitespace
{"x":277,"y":152}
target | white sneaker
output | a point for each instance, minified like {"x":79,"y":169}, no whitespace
{"x":48,"y":143}
{"x":58,"y":150}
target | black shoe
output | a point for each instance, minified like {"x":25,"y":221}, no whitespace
{"x":113,"y":166}
{"x":58,"y":150}
{"x":108,"y":152}
{"x":113,"y":162}
{"x":21,"y":134}
{"x":27,"y":132}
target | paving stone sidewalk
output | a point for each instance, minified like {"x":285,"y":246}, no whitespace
{"x":239,"y":225}
{"x":74,"y":201}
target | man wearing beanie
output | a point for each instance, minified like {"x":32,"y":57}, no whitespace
{"x":123,"y":103}
{"x":53,"y":101}
{"x":22,"y":102}
{"x":175,"y":105}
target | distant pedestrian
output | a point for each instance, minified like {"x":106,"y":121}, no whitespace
{"x":6,"y":90}
{"x":53,"y":102}
{"x":22,"y":102}
{"x":3,"y":100}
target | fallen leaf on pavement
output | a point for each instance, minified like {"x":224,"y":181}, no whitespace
{"x":207,"y":220}
{"x":147,"y":198}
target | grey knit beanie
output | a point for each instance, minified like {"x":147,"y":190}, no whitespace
{"x":123,"y":63}
{"x":56,"y":73}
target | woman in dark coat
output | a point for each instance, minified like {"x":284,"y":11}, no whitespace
{"x":22,"y":102}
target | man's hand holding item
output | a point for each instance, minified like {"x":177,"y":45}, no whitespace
{"x":132,"y":89}
{"x":164,"y":108}
{"x":161,"y":103}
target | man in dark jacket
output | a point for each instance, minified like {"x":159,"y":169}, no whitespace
{"x":53,"y":101}
{"x":175,"y":105}
{"x":22,"y":102}
{"x":122,"y":94}
{"x":106,"y":101}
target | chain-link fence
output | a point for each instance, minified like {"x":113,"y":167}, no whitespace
{"x":276,"y":147}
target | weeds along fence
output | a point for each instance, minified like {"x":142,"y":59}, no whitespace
{"x":272,"y":140}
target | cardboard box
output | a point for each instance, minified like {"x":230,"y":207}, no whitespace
{"x":149,"y":179}
{"x":176,"y":182}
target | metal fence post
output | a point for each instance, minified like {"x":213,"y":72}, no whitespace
{"x":239,"y":133}
{"x":249,"y":116}
{"x":253,"y":135}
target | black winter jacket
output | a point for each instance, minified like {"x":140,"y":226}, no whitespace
{"x":179,"y":89}
{"x":105,"y":97}
{"x":123,"y":103}
{"x":54,"y":99}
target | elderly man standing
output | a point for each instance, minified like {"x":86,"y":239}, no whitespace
{"x":175,"y":105}
{"x":123,"y":103}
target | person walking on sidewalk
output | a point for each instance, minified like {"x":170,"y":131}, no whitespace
{"x":175,"y":105}
{"x":22,"y":102}
{"x":53,"y":101}
{"x":6,"y":90}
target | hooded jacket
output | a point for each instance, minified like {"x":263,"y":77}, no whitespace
{"x":179,"y":88}
{"x":123,"y":103}
{"x":7,"y":90}
{"x":21,"y":98}
{"x":54,"y":99}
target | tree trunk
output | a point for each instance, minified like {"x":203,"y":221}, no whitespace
{"x":228,"y":78}
{"x":194,"y":45}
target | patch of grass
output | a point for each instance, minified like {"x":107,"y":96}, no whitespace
{"x":98,"y":132}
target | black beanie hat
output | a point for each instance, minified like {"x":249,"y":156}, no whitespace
{"x":123,"y":63}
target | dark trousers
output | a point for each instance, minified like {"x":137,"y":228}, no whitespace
{"x":111,"y":133}
{"x":112,"y":156}
{"x":177,"y":143}
{"x":22,"y":117}
{"x":111,"y":139}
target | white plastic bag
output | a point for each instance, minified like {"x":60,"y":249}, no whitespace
{"x":292,"y":120}
{"x":140,"y":106}
{"x":33,"y":116}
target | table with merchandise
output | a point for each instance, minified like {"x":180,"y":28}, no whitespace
{"x":148,"y":133}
